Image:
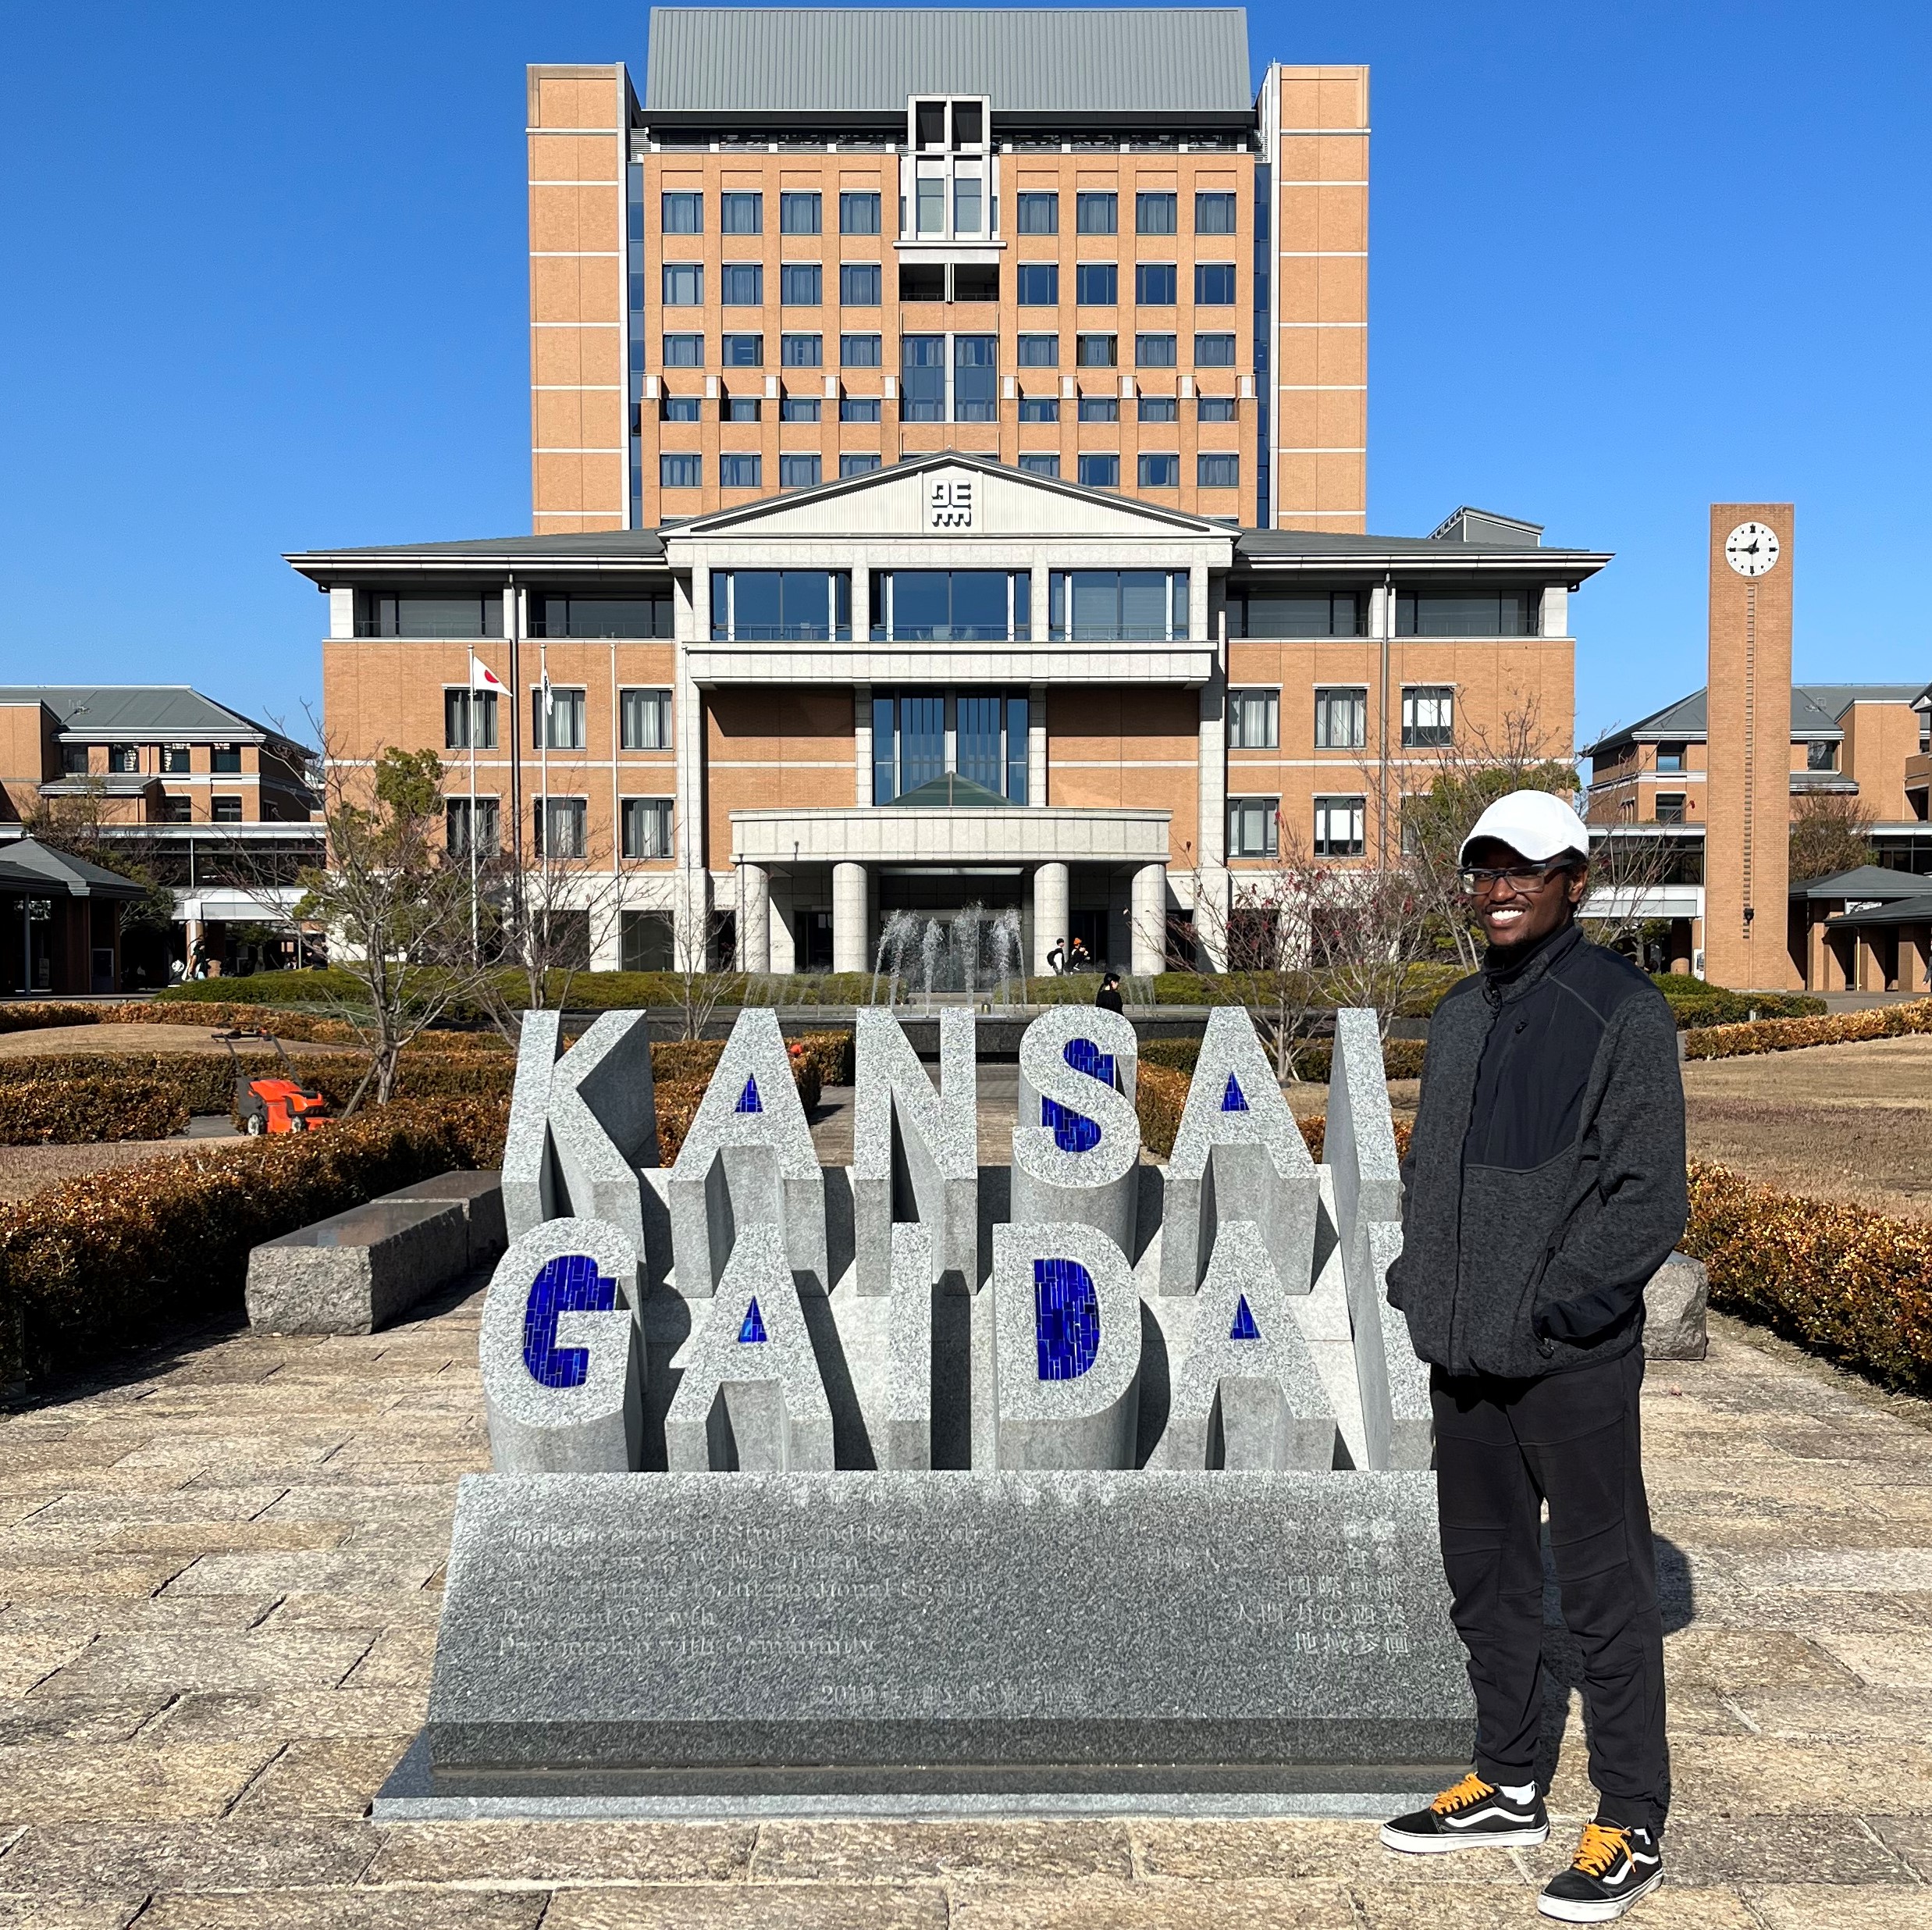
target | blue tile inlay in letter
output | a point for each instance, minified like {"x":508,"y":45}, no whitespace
{"x":1074,"y":1132}
{"x":1232,"y":1100}
{"x":754,"y":1326}
{"x":748,"y":1100}
{"x":571,"y":1284}
{"x":1066,"y":1319}
{"x":1244,"y":1328}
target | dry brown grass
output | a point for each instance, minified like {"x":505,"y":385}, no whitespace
{"x":122,"y":1041}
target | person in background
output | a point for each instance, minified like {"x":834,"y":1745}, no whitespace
{"x":1057,"y":957}
{"x":1544,"y":1185}
{"x":1079,"y":960}
{"x":1108,"y":997}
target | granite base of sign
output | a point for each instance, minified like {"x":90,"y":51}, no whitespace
{"x":481,"y":1196}
{"x":1674,"y":1304}
{"x":356,"y":1270}
{"x":1034,"y":1638}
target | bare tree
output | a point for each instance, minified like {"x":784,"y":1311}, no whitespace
{"x":702,"y":979}
{"x":1829,"y":833}
{"x":397,"y":902}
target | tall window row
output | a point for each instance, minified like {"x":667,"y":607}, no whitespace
{"x":921,"y":736}
{"x":1341,"y":717}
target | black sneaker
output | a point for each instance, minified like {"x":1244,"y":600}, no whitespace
{"x":1473,"y":1815}
{"x":1614,"y":1866}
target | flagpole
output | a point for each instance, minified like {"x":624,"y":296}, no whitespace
{"x":475,"y":947}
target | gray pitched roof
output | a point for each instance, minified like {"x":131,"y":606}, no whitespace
{"x":1281,"y":546}
{"x":28,"y":864}
{"x":1816,"y":710}
{"x":1868,"y":881}
{"x":1135,"y":61}
{"x":1898,"y":911}
{"x":96,"y":712}
{"x":595,"y":545}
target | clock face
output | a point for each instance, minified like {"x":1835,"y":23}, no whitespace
{"x":1751,"y":549}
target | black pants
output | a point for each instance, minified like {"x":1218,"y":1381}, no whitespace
{"x":1502,"y":1448}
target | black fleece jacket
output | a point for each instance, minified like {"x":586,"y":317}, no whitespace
{"x":1545,"y":1180}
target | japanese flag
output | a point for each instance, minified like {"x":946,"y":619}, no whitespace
{"x":481,"y":676}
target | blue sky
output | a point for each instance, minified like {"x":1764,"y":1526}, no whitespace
{"x":266,"y":290}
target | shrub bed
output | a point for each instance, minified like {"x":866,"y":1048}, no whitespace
{"x":1401,"y":1058}
{"x":1784,"y":1035}
{"x":1696,"y":1005}
{"x":108,"y":1258}
{"x":72,"y":1111}
{"x":1853,"y":1286}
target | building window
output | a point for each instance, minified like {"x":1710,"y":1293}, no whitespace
{"x":684,"y":351}
{"x":858,"y":352}
{"x":798,"y":214}
{"x":858,"y":214}
{"x":1467,"y":613}
{"x":1341,"y":718}
{"x":1821,"y":754}
{"x":1217,"y":473}
{"x":559,"y":825}
{"x":566,"y":709}
{"x":743,"y":351}
{"x":1160,"y":472}
{"x":1100,"y":409}
{"x":1105,"y":606}
{"x":741,"y":472}
{"x":73,"y":760}
{"x":1213,"y":284}
{"x":1154,"y":352}
{"x":858,"y":408}
{"x":1671,"y":757}
{"x":798,"y":472}
{"x":780,"y":606}
{"x":1337,"y":826}
{"x":601,"y":616}
{"x":1154,"y":284}
{"x":680,"y":472}
{"x":1429,"y":716}
{"x":923,"y":378}
{"x":1214,"y":214}
{"x":684,"y":284}
{"x":742,"y":284}
{"x":1039,"y":408}
{"x":1096,"y":351}
{"x":1216,"y":408}
{"x":859,"y":285}
{"x":469,"y":720}
{"x":124,"y":759}
{"x":1040,"y":465}
{"x":1251,"y":827}
{"x":683,"y":214}
{"x":225,"y":760}
{"x":965,"y":203}
{"x":645,"y":719}
{"x":951,"y":606}
{"x":1670,"y":807}
{"x":975,"y":378}
{"x":1096,"y":284}
{"x":858,"y":465}
{"x":457,"y":814}
{"x":1039,"y":351}
{"x":1100,"y":472}
{"x":1254,"y":719}
{"x":1214,"y":351}
{"x":646,"y":822}
{"x":378,"y":615}
{"x":680,"y":408}
{"x":1159,"y":408}
{"x":801,"y":351}
{"x":741,"y":214}
{"x":1153,"y":214}
{"x":799,"y":284}
{"x":1039,"y":214}
{"x":180,"y":811}
{"x":799,"y":409}
{"x":910,"y":732}
{"x":225,"y":810}
{"x":1038,"y":284}
{"x":1254,"y":612}
{"x":1097,"y":214}
{"x":176,"y":761}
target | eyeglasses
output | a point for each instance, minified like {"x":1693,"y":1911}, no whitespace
{"x":1519,"y":877}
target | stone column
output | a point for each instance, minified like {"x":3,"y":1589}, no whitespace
{"x":1150,"y":920}
{"x":850,"y":902}
{"x":784,"y":955}
{"x":754,"y":918}
{"x":1051,"y":898}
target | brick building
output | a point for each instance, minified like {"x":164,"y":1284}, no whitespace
{"x":853,"y":496}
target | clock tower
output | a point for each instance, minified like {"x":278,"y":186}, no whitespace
{"x":1748,"y":693}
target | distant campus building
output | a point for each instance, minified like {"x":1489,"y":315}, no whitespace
{"x":948,"y":485}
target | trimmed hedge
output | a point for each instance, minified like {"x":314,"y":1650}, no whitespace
{"x":1784,"y":1035}
{"x":1853,"y":1286}
{"x":1697,"y":1004}
{"x":71,"y":1112}
{"x":1161,"y":1097}
{"x":1401,"y":1058}
{"x":109,"y":1258}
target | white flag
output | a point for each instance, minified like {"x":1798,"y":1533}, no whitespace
{"x":481,"y":676}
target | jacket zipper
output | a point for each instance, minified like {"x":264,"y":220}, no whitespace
{"x":1462,"y":1180}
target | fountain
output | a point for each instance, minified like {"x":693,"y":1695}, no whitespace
{"x":970,"y":951}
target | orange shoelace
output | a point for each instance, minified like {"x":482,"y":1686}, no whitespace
{"x":1599,"y":1849}
{"x":1472,"y":1789}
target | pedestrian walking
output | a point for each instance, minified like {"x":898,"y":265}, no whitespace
{"x":1108,"y":997}
{"x":1545,"y":1184}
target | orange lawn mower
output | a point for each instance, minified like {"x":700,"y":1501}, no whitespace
{"x":278,"y":1103}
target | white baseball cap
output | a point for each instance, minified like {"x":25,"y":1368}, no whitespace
{"x":1535,"y":823}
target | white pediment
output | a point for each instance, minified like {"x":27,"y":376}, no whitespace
{"x":931,"y":500}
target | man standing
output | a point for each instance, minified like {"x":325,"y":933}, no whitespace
{"x":1544,"y":1185}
